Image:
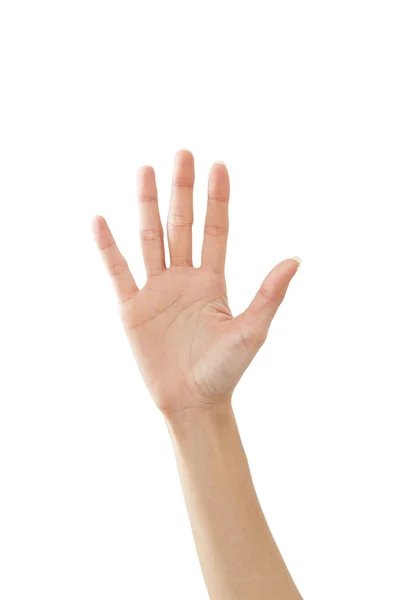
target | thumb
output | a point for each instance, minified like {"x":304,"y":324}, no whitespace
{"x":266,"y":302}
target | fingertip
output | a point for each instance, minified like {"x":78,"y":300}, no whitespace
{"x":97,"y":223}
{"x":183,"y":168}
{"x":286,"y":266}
{"x":219,"y":166}
{"x":145,"y":170}
{"x":184,"y":154}
{"x":298,"y":259}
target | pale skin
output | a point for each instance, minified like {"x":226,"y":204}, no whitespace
{"x":191,"y":352}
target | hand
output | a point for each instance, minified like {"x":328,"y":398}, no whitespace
{"x":189,"y":348}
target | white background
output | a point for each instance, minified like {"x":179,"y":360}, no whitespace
{"x":301,"y":100}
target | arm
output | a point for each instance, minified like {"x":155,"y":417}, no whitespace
{"x":191,"y":352}
{"x":237,"y":552}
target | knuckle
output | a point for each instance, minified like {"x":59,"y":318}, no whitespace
{"x":183,"y":181}
{"x":150,"y":235}
{"x":181,"y":261}
{"x":116,"y":268}
{"x":217,"y":196}
{"x":267,"y":295}
{"x":216,"y":230}
{"x":176,"y":220}
{"x":271,"y":296}
{"x":146,"y":197}
{"x":105,"y":248}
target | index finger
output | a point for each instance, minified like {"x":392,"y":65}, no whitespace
{"x":115,"y":263}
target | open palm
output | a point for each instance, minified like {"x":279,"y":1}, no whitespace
{"x":189,"y":348}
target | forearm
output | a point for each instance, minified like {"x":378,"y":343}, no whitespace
{"x":238,"y":555}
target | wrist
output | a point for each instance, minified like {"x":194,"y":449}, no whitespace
{"x":209,"y":418}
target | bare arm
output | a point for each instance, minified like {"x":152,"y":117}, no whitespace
{"x":238,"y":555}
{"x":191,"y":352}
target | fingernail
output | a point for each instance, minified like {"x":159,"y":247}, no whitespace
{"x":298,"y":259}
{"x":219,"y":162}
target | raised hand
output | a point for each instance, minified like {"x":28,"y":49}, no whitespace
{"x":189,"y":348}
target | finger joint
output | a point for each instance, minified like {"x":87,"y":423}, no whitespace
{"x":150,"y":235}
{"x":215,"y":230}
{"x":176,"y":220}
{"x":116,"y":268}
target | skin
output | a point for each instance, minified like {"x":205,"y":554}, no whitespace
{"x":191,"y":352}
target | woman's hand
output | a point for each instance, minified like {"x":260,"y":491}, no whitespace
{"x":190,"y":350}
